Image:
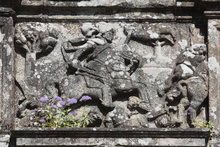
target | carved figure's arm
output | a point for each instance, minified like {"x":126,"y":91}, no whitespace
{"x":150,"y":35}
{"x":76,"y":44}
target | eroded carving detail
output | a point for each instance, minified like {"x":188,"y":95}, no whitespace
{"x":186,"y":89}
{"x":112,"y":74}
{"x":34,"y":44}
{"x":109,"y":67}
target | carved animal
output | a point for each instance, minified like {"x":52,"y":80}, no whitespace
{"x":197,"y":92}
{"x":109,"y":67}
{"x":104,"y":76}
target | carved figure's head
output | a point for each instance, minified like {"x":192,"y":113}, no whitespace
{"x":88,"y":30}
{"x":48,"y":40}
{"x":196,"y":54}
{"x":173,"y":94}
{"x":198,"y":49}
{"x":25,"y":37}
{"x":35,"y":41}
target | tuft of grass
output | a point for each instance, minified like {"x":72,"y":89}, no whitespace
{"x":198,"y":123}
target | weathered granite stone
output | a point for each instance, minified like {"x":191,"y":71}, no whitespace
{"x":111,"y":137}
{"x":106,"y":3}
{"x":4,"y":140}
{"x":213,"y":63}
{"x":187,"y":88}
{"x":7,"y":100}
{"x":112,"y":142}
{"x":110,"y":64}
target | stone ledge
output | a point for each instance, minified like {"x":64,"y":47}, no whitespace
{"x":4,"y":11}
{"x":123,"y":133}
{"x":110,"y":142}
{"x":212,"y":14}
{"x":100,"y":3}
{"x":4,"y":138}
{"x":211,"y":0}
{"x":109,"y":137}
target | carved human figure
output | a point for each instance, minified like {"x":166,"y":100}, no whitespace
{"x":81,"y":47}
{"x":156,"y":38}
{"x":109,"y":66}
{"x":189,"y":80}
{"x":35,"y":44}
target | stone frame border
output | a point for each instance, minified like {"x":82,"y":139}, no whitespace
{"x":97,"y":133}
{"x":7,"y":84}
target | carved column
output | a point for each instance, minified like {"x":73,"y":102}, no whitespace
{"x":6,"y":68}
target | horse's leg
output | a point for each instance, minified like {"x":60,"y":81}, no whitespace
{"x":107,"y":96}
{"x":142,"y":91}
{"x":192,"y":116}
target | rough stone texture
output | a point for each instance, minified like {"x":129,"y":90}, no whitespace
{"x":4,"y":140}
{"x":7,"y":100}
{"x":106,"y":3}
{"x":110,"y":62}
{"x":111,"y":137}
{"x":213,"y":61}
{"x":112,"y":142}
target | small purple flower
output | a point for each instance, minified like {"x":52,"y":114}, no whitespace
{"x":203,"y":108}
{"x":73,"y":112}
{"x":58,"y":99}
{"x":62,"y":103}
{"x":190,"y":108}
{"x":85,"y":98}
{"x":54,"y":106}
{"x":72,"y":101}
{"x":41,"y":120}
{"x":43,"y":99}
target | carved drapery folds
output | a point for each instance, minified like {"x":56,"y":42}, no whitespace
{"x":135,"y":75}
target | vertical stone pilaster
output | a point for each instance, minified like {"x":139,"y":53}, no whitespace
{"x":6,"y":70}
{"x":214,"y":70}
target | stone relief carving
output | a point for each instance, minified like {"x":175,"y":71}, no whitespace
{"x":111,"y":66}
{"x":106,"y":67}
{"x":34,"y":44}
{"x":186,"y":89}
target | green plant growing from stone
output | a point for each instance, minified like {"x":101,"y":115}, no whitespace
{"x":198,"y":123}
{"x":57,"y":113}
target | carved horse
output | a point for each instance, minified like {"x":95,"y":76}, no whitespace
{"x":106,"y":73}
